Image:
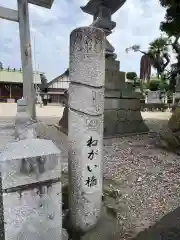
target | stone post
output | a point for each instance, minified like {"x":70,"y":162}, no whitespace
{"x":26,"y":57}
{"x":85,"y":126}
{"x":23,"y":122}
{"x":31,"y":191}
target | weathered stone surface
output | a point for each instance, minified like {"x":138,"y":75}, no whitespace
{"x":140,"y":126}
{"x":125,"y":93}
{"x":112,"y":93}
{"x":124,"y":127}
{"x":29,"y":150}
{"x":111,"y":63}
{"x":122,"y":114}
{"x":117,"y":103}
{"x":33,"y":215}
{"x":31,"y":186}
{"x":168,"y":139}
{"x":93,"y":99}
{"x":85,"y":123}
{"x":130,"y":114}
{"x":23,"y":122}
{"x":133,"y":115}
{"x":114,"y":79}
{"x":63,"y":123}
{"x":153,"y":97}
{"x":174,"y":121}
{"x":110,"y":116}
{"x":102,"y":19}
{"x":170,"y":134}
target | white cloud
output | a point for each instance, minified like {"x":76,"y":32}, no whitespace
{"x":137,"y":23}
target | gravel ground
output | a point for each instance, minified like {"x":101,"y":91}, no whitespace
{"x":147,"y":179}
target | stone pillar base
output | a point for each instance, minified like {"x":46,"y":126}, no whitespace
{"x":113,"y":123}
{"x":123,"y":116}
{"x":113,"y":126}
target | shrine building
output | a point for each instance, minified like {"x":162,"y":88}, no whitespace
{"x":11,"y":84}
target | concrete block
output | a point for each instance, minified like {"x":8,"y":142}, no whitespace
{"x":111,"y":63}
{"x":28,"y":152}
{"x":112,"y":93}
{"x":111,"y":104}
{"x":125,"y":93}
{"x":31,"y":187}
{"x":114,"y":80}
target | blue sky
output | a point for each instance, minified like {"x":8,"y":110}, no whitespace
{"x":137,"y":23}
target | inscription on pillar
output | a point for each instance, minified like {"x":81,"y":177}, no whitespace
{"x":92,"y":169}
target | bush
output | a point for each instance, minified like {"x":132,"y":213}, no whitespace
{"x":154,"y":85}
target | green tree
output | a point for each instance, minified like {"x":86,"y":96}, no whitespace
{"x":44,"y":81}
{"x":171,"y":23}
{"x":131,"y":75}
{"x":157,"y":52}
{"x":171,"y":26}
{"x":158,"y":49}
{"x":153,"y":85}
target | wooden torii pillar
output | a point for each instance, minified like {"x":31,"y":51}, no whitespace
{"x":21,"y":15}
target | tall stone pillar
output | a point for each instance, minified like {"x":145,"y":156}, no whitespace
{"x":26,"y":58}
{"x":85,"y":126}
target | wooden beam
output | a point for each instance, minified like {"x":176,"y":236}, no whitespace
{"x":42,"y":3}
{"x":9,"y":14}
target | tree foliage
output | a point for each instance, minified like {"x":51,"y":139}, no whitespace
{"x":171,"y":26}
{"x":171,"y":23}
{"x":157,"y":52}
{"x":131,"y":75}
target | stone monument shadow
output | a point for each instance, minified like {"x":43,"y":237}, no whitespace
{"x":168,"y":228}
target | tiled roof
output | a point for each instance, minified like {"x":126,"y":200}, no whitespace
{"x":16,"y":76}
{"x":59,"y":78}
